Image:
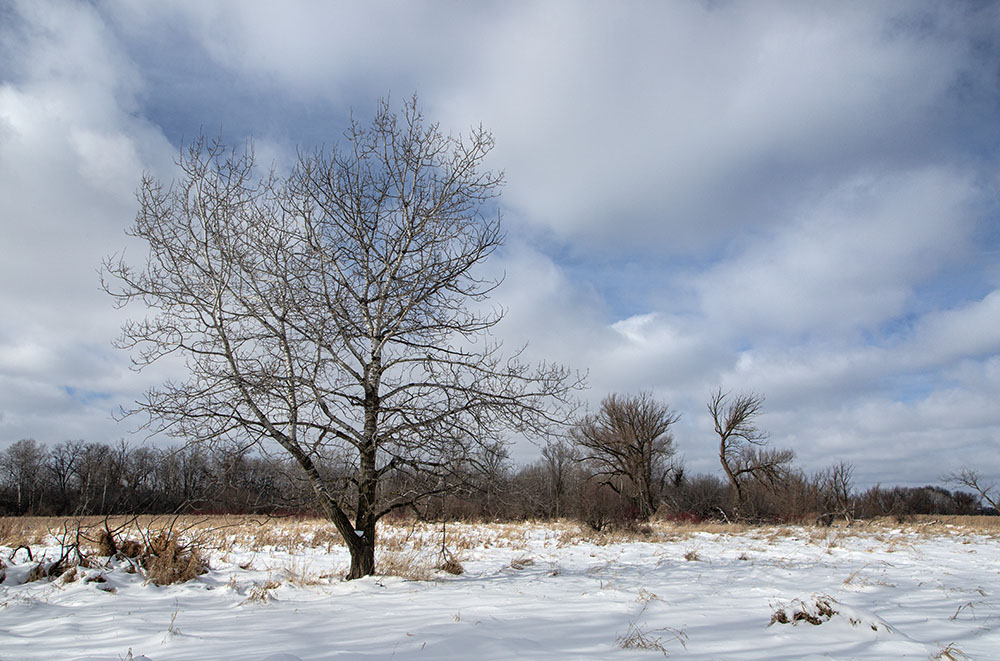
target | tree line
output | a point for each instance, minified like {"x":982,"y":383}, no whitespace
{"x":90,"y":478}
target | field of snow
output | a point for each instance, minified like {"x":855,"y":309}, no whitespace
{"x":926,"y":590}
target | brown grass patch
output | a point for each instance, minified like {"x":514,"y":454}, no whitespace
{"x":451,"y":566}
{"x":409,"y":565}
{"x":168,"y":560}
{"x":23,"y":530}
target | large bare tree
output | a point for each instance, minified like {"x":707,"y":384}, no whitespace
{"x":336,"y":311}
{"x":628,"y":442}
{"x":743,"y":450}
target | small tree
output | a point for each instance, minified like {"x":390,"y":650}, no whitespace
{"x":743,"y":450}
{"x":335,"y":313}
{"x":628,"y":443}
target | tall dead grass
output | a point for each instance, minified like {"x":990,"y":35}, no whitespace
{"x":400,"y":541}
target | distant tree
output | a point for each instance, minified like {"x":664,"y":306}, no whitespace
{"x":22,"y":465}
{"x":973,"y":479}
{"x":628,"y":443}
{"x":835,"y":485}
{"x":491,"y":474}
{"x":743,"y":450}
{"x":61,"y":466}
{"x":99,"y":474}
{"x":559,"y":459}
{"x":336,"y":311}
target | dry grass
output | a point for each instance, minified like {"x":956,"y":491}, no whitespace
{"x":815,"y":613}
{"x":451,"y":566}
{"x":23,"y":530}
{"x":261,"y":592}
{"x":299,"y":572}
{"x":412,"y":565}
{"x":411,"y":549}
{"x":951,"y":653}
{"x":636,"y":637}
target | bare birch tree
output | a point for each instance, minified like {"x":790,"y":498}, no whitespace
{"x":742,"y":444}
{"x":628,"y":442}
{"x":335,"y":311}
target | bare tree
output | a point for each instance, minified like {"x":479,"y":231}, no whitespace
{"x":628,"y":442}
{"x":335,"y":309}
{"x":558,"y":459}
{"x":21,"y":465}
{"x":61,"y":464}
{"x":836,"y":485}
{"x":973,"y":479}
{"x":742,"y":444}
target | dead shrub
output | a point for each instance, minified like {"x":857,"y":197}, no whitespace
{"x":69,"y":576}
{"x":111,"y":546}
{"x":45,"y":571}
{"x":601,"y":507}
{"x":167,"y":560}
{"x":161,"y":553}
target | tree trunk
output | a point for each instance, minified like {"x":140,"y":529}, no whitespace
{"x":363,"y":555}
{"x":359,"y":538}
{"x":736,"y":489}
{"x":362,"y":558}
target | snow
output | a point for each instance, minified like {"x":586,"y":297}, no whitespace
{"x":533,"y":591}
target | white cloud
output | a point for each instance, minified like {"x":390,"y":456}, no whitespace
{"x":747,"y":195}
{"x":850,"y":263}
{"x":71,"y":157}
{"x":970,"y":331}
{"x":656,"y":129}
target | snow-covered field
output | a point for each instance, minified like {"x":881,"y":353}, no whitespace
{"x":529,"y":591}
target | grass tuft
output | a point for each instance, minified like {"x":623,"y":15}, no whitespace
{"x":167,"y":560}
{"x":815,"y":613}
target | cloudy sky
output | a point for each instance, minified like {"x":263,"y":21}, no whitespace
{"x":794,"y":198}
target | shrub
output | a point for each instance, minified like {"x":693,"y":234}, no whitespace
{"x":167,"y":560}
{"x":601,"y":507}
